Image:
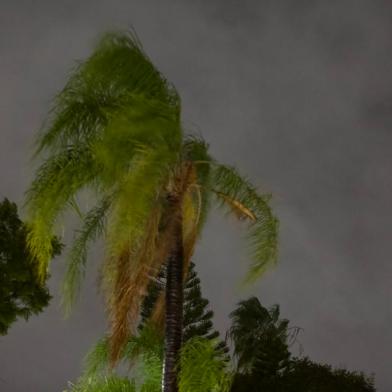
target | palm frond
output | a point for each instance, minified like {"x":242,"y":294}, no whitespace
{"x":245,"y":201}
{"x":114,"y":76}
{"x":239,"y":209}
{"x":93,"y":226}
{"x":201,"y":370}
{"x":132,"y":273}
{"x":136,"y":197}
{"x":57,"y":180}
{"x":105,"y":384}
{"x":96,"y":362}
{"x":250,"y":321}
{"x":133,"y":133}
{"x":124,"y":312}
{"x":142,"y":354}
{"x":261,"y":338}
{"x":149,"y":365}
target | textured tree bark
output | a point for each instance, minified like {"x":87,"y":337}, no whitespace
{"x":174,"y":305}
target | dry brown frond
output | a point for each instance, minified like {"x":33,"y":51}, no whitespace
{"x":238,"y":208}
{"x":126,"y":310}
{"x":133,"y":272}
{"x":157,"y":317}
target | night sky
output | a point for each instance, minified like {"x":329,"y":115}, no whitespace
{"x":298,"y":95}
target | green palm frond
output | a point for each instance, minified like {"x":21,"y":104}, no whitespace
{"x":200,"y":368}
{"x":92,"y":228}
{"x":195,"y":149}
{"x":133,"y":132}
{"x":96,"y":362}
{"x":58,"y":179}
{"x":142,"y":354}
{"x":136,"y":197}
{"x":115,"y":75}
{"x":242,"y":198}
{"x":105,"y":384}
{"x":144,"y":350}
{"x":149,"y":371}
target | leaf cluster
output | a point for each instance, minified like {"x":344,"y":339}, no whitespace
{"x":305,"y":375}
{"x":260,"y":338}
{"x":21,"y":293}
{"x":199,"y":369}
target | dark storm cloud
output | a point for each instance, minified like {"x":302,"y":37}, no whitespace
{"x":298,"y":95}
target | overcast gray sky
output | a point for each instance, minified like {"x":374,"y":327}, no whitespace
{"x":295,"y":93}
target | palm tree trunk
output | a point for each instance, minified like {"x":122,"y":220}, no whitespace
{"x":174,"y":305}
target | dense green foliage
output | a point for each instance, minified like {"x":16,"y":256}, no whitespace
{"x":263,"y":361}
{"x":260,"y":340}
{"x":21,"y":293}
{"x":200,"y":368}
{"x":304,"y":375}
{"x":261,"y":353}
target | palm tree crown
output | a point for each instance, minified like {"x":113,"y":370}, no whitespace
{"x":115,"y":133}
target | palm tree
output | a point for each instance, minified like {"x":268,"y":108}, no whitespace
{"x":261,"y":341}
{"x":115,"y":135}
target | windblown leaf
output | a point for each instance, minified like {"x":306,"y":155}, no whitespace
{"x":239,"y":194}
